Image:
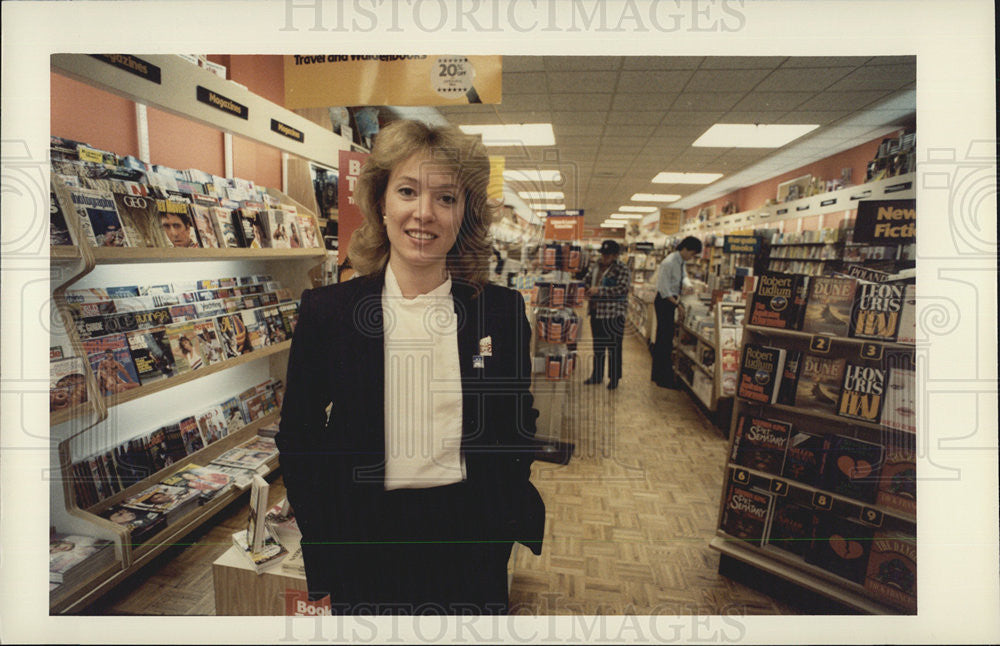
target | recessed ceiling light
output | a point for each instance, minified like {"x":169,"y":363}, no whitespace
{"x":542,"y":195}
{"x":514,"y":134}
{"x":554,"y":206}
{"x":639,"y":209}
{"x":685,"y":178}
{"x":532,"y":175}
{"x":654,"y":197}
{"x":626,"y":216}
{"x":751,"y":135}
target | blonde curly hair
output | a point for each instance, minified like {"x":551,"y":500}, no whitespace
{"x":468,"y":259}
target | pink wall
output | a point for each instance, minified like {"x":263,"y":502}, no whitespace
{"x":83,"y":113}
{"x":755,"y":196}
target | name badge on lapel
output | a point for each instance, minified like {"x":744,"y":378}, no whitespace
{"x":486,"y":346}
{"x":478,"y":361}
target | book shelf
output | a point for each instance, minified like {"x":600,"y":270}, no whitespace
{"x":97,"y":424}
{"x":720,"y":372}
{"x":830,"y":562}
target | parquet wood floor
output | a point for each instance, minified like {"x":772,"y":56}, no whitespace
{"x":628,"y":520}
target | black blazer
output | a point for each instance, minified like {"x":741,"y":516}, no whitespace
{"x":334,"y":467}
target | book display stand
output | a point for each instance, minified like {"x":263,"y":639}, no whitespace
{"x":99,"y":423}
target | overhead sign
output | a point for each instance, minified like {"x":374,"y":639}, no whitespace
{"x":223,"y":103}
{"x":886,"y":221}
{"x":349,"y":217}
{"x":740,"y":244}
{"x":340,"y":80}
{"x":670,"y":221}
{"x":564,"y":225}
{"x":132,"y":65}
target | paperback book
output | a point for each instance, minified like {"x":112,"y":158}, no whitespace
{"x":851,"y":468}
{"x":820,"y":379}
{"x":256,"y":525}
{"x":828,"y":308}
{"x":907,"y":332}
{"x":777,"y":300}
{"x":877,"y":308}
{"x":891,"y":575}
{"x":862,"y":392}
{"x":760,"y":443}
{"x":841,"y":546}
{"x":804,"y":458}
{"x":789,"y":378}
{"x":760,"y":373}
{"x":745,"y":513}
{"x":791,"y":526}
{"x":897,"y":484}
{"x":899,"y":408}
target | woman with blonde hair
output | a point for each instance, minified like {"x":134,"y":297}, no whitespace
{"x":407,"y":428}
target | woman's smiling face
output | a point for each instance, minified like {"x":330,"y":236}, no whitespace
{"x":423,"y":207}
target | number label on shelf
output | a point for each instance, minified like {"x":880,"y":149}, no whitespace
{"x":779,"y":487}
{"x":871,"y":351}
{"x":822,"y":501}
{"x":741,"y":476}
{"x":820,"y":343}
{"x":871,"y":516}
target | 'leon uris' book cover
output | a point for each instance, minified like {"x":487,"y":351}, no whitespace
{"x":791,"y":526}
{"x":760,"y":443}
{"x":745,"y":512}
{"x":851,"y":467}
{"x":877,"y":307}
{"x":760,"y":373}
{"x":862,"y":392}
{"x":892,"y":570}
{"x":841,"y":546}
{"x":828,"y":309}
{"x":777,"y":300}
{"x":820,"y":379}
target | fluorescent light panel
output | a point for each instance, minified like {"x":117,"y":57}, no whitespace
{"x":535,"y":176}
{"x":639,"y":209}
{"x":685,"y":178}
{"x":514,"y":134}
{"x":554,"y":206}
{"x":750,"y":135}
{"x":613,"y":224}
{"x":654,"y":197}
{"x":626,"y":216}
{"x":542,"y":195}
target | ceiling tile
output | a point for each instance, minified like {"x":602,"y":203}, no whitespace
{"x":522,"y":64}
{"x":661,"y":62}
{"x":771,"y":101}
{"x":580,"y":101}
{"x":585,"y":114}
{"x":877,"y":77}
{"x":693,"y":118}
{"x":581,"y":63}
{"x":892,"y":60}
{"x":725,"y":80}
{"x":533,"y":116}
{"x":648,"y":117}
{"x":464,"y":119}
{"x":825,"y":61}
{"x":628,"y":130}
{"x":755,"y":116}
{"x":525,"y":102}
{"x":843,"y":100}
{"x":809,"y":79}
{"x":642,"y":102}
{"x":702,"y":101}
{"x":689,"y":132}
{"x":630,"y":143}
{"x":562,"y":82}
{"x":821,"y":117}
{"x":588,"y":129}
{"x":653,"y":82}
{"x":523,"y":83}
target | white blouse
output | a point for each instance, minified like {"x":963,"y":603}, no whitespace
{"x":423,"y":388}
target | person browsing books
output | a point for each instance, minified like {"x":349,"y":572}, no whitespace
{"x":608,"y":282}
{"x":406,"y":434}
{"x":667,"y":303}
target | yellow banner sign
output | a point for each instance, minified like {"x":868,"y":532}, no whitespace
{"x":346,"y":80}
{"x":670,"y":221}
{"x":494,"y":190}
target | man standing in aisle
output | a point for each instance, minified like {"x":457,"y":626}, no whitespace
{"x":669,"y":287}
{"x":608,"y":283}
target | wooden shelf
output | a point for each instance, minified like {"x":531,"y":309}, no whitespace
{"x":65,"y":253}
{"x":170,"y":382}
{"x":134,"y":255}
{"x":771,"y":331}
{"x":694,"y":360}
{"x":800,"y":573}
{"x":698,"y":335}
{"x":806,"y":412}
{"x":707,"y":404}
{"x":62,"y":416}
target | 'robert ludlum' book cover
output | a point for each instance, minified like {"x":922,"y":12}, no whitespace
{"x":777,"y":300}
{"x":760,"y":373}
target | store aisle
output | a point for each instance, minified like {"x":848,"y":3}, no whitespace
{"x":628,"y":519}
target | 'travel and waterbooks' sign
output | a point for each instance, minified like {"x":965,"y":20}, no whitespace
{"x":223,"y":103}
{"x":886,"y":222}
{"x":132,"y":65}
{"x":288,"y":131}
{"x":740,"y":244}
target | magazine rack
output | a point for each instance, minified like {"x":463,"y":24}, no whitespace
{"x":296,"y":269}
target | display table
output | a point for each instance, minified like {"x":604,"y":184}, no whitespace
{"x":241,"y":591}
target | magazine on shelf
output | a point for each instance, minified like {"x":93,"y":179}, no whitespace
{"x":191,"y":435}
{"x":153,"y":318}
{"x":828,"y":308}
{"x":256,"y":325}
{"x":99,"y":220}
{"x":163,"y":498}
{"x":173,"y":443}
{"x":820,"y":380}
{"x":268,"y":557}
{"x":151,"y":354}
{"x":245,"y":459}
{"x":277,"y":228}
{"x":111,"y":362}
{"x":225,"y":231}
{"x":211,"y":425}
{"x":184,"y":347}
{"x":69,"y":554}
{"x":140,"y":524}
{"x":233,"y":334}
{"x":141,"y":218}
{"x":59,"y":231}
{"x":232,"y":413}
{"x":246,"y":225}
{"x":289,"y":316}
{"x":891,"y":575}
{"x":179,"y":227}
{"x":256,"y":525}
{"x":207,"y":338}
{"x":202,"y":219}
{"x":206,"y":482}
{"x":67,"y":384}
{"x":183,"y":312}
